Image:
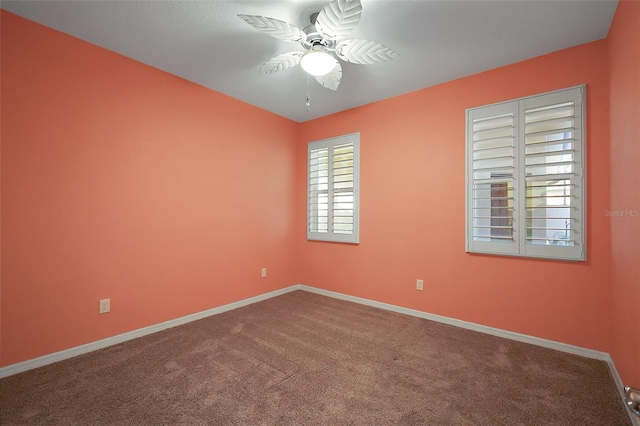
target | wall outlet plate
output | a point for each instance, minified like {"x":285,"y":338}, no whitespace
{"x":105,"y":306}
{"x":419,"y":285}
{"x":263,"y":273}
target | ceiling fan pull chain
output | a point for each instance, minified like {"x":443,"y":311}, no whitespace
{"x":308,"y":103}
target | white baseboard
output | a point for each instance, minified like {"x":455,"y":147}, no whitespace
{"x":89,"y":347}
{"x":576,"y":350}
{"x":31,"y":364}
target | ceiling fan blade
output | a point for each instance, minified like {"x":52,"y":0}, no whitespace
{"x":339,"y":18}
{"x":281,"y":62}
{"x":275,"y":28}
{"x":332,"y":79}
{"x":366,"y":52}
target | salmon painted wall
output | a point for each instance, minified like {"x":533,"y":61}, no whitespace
{"x":120,"y":181}
{"x":624,"y":209}
{"x":0,"y":194}
{"x":412,"y":218}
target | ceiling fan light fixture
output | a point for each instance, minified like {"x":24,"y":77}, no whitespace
{"x":324,"y":42}
{"x":317,"y":61}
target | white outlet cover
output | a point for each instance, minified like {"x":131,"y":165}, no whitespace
{"x":105,"y":306}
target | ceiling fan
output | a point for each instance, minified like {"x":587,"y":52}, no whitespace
{"x":325,"y":35}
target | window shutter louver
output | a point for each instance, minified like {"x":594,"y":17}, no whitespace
{"x":333,"y":186}
{"x":525,"y":162}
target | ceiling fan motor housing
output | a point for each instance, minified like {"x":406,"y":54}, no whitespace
{"x":314,"y":38}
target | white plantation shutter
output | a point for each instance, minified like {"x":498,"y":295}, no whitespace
{"x":553,"y":174}
{"x":342,"y":208}
{"x":319,"y":190}
{"x":333,"y":189}
{"x":492,"y":134}
{"x":525,"y":177}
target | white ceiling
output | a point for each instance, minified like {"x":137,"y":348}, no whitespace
{"x":437,"y":41}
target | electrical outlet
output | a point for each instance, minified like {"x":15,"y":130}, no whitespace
{"x":419,"y":285}
{"x":105,"y":306}
{"x":263,"y":273}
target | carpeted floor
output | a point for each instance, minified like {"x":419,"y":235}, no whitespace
{"x":302,"y":358}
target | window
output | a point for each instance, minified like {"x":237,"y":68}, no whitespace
{"x":525,"y":177}
{"x":333,"y":189}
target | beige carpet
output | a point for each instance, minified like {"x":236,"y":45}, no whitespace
{"x":301,"y":359}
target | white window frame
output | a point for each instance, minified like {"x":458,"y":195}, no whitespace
{"x":518,"y":245}
{"x":330,"y":235}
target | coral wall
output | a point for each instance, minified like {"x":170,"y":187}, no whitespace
{"x":413,"y":209}
{"x":124,"y":182}
{"x":623,"y":212}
